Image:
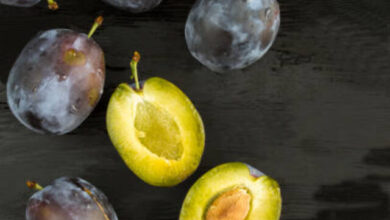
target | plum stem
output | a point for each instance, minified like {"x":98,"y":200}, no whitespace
{"x":96,"y":24}
{"x":52,"y":5}
{"x":134,"y":69}
{"x":34,"y":185}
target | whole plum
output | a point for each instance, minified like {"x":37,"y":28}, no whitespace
{"x":69,"y":199}
{"x":57,"y":81}
{"x":20,"y":3}
{"x":135,"y":6}
{"x":28,"y":3}
{"x":231,"y":34}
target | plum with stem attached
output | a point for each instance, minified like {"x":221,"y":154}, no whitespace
{"x":28,"y":3}
{"x":156,"y":129}
{"x":57,"y":80}
{"x":68,"y":199}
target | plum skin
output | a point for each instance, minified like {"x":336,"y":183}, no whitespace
{"x":56,"y":81}
{"x":66,"y":199}
{"x":20,"y":3}
{"x":229,"y":34}
{"x":134,"y":6}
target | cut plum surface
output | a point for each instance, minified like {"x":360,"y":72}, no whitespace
{"x":230,"y":192}
{"x":157,"y":131}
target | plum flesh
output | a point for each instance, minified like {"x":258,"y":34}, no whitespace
{"x":231,"y":34}
{"x":69,"y":199}
{"x":56,"y":81}
{"x":20,"y":3}
{"x":135,"y":6}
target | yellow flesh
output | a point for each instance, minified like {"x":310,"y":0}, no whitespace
{"x":157,"y":131}
{"x":231,"y":205}
{"x":265,"y":203}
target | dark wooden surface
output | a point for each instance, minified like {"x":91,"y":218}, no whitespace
{"x":314,"y":113}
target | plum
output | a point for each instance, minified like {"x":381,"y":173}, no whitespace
{"x":56,"y":81}
{"x":20,"y":3}
{"x":135,"y":6}
{"x":28,"y":3}
{"x":230,"y":34}
{"x":156,"y":129}
{"x":233,"y":191}
{"x":69,"y":199}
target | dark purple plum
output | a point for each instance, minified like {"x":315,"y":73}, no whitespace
{"x":69,"y":199}
{"x":231,"y":34}
{"x":28,"y":3}
{"x":20,"y":3}
{"x":135,"y":6}
{"x":56,"y":81}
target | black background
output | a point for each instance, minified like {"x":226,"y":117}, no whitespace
{"x":314,"y":112}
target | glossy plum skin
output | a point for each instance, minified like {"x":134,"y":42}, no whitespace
{"x":134,"y":6}
{"x":20,"y":3}
{"x":56,"y":81}
{"x":231,"y":34}
{"x":67,"y":199}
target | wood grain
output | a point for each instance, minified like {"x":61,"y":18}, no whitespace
{"x":314,"y":113}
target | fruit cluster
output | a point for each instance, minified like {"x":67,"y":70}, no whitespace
{"x":58,"y":79}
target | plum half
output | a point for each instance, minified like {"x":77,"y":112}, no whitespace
{"x":231,"y":34}
{"x":233,"y":191}
{"x":156,"y":129}
{"x":134,"y":6}
{"x":57,"y":80}
{"x":29,"y":3}
{"x":68,"y":199}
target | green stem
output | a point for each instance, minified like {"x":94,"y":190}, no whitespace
{"x":96,"y":24}
{"x":34,"y":185}
{"x":134,"y":69}
{"x":52,"y":5}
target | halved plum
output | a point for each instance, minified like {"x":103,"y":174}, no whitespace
{"x":233,"y":191}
